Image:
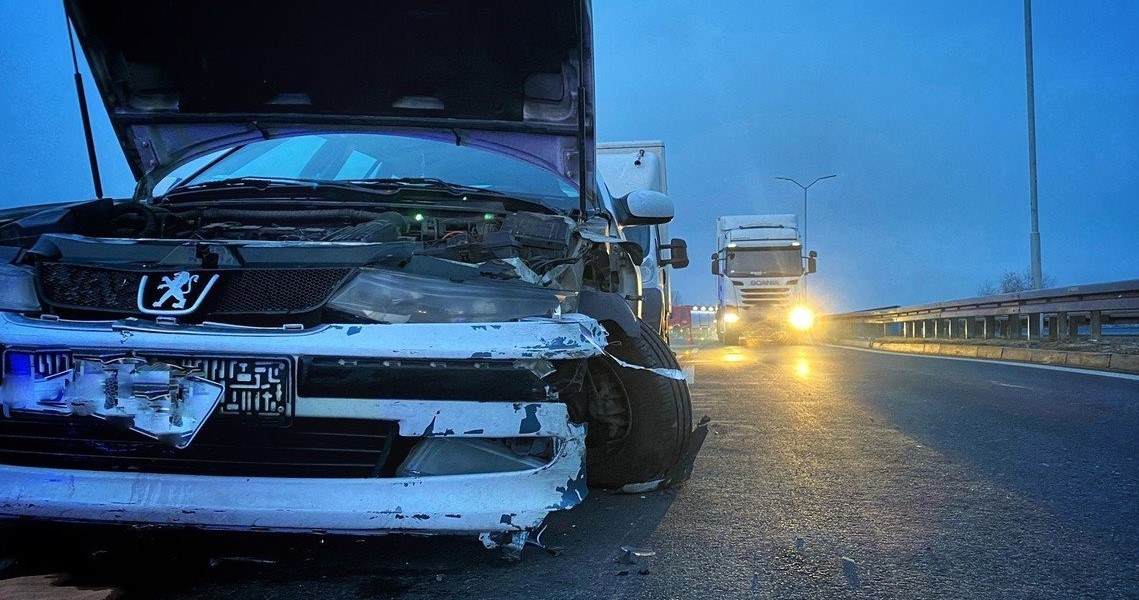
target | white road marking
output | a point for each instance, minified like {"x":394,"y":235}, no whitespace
{"x":1113,"y":374}
{"x":1009,"y":385}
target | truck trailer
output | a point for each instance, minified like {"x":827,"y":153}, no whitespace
{"x":759,"y":268}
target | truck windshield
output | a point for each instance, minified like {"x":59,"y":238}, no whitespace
{"x":768,"y":262}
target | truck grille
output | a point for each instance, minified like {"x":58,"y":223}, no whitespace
{"x":765,"y":297}
{"x":238,"y":292}
{"x":226,"y":445}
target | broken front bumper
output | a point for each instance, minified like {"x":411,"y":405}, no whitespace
{"x":502,"y":501}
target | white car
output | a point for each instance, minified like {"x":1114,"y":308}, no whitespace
{"x":368,"y":282}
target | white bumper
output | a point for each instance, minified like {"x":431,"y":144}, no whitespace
{"x":481,"y":502}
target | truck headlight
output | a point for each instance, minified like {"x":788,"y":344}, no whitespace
{"x":731,"y":317}
{"x":395,"y":297}
{"x":18,"y":289}
{"x":801,"y":318}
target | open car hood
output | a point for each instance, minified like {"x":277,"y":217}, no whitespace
{"x":181,"y":78}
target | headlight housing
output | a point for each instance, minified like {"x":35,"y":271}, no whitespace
{"x":731,"y":317}
{"x":18,"y":289}
{"x":395,"y":297}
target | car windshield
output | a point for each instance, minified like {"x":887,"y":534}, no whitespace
{"x":770,"y":262}
{"x":375,"y":157}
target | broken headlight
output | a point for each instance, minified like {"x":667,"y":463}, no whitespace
{"x":18,"y":289}
{"x":395,"y":297}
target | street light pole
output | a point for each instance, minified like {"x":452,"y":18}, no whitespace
{"x":1034,"y":237}
{"x":805,"y":188}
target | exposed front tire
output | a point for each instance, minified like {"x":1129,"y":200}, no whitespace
{"x":657,"y":413}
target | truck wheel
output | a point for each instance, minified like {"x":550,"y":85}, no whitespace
{"x":731,"y":338}
{"x":641,"y":420}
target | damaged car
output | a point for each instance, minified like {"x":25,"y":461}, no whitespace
{"x":368,"y":282}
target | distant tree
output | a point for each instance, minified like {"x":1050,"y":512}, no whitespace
{"x":1013,"y":281}
{"x":987,"y":289}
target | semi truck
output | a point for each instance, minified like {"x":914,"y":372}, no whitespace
{"x":759,"y":268}
{"x":626,"y":167}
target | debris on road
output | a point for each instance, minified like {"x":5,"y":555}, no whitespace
{"x":248,"y":560}
{"x":631,"y":554}
{"x":850,"y":571}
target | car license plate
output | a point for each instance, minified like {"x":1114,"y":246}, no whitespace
{"x":260,"y":388}
{"x":254,"y":387}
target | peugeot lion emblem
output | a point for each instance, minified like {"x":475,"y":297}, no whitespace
{"x":177,"y":294}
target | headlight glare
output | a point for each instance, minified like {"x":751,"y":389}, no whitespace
{"x":801,"y":318}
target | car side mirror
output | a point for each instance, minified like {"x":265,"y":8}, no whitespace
{"x":812,"y":261}
{"x":678,"y":254}
{"x":644,"y":207}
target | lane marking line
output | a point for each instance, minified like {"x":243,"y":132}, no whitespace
{"x":1113,"y":374}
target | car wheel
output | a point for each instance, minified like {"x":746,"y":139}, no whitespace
{"x":645,"y":418}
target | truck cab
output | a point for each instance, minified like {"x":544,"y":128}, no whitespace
{"x":759,"y":269}
{"x":626,"y":167}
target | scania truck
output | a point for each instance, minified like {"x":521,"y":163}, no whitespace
{"x":759,"y":267}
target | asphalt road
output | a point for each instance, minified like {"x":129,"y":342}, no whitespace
{"x":828,"y":473}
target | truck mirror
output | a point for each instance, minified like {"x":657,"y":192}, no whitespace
{"x":813,"y":254}
{"x":812,"y":263}
{"x":644,"y":207}
{"x":715,"y":265}
{"x":678,"y":254}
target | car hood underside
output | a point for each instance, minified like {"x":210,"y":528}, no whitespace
{"x":180,"y":79}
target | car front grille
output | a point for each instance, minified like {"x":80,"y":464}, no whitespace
{"x":255,"y":292}
{"x":226,"y":445}
{"x":88,"y":287}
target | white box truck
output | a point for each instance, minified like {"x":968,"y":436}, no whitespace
{"x":626,"y":167}
{"x":759,"y":268}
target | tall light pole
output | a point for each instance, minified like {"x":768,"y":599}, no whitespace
{"x":805,"y":188}
{"x":1034,"y":237}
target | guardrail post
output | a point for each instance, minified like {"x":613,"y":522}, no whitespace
{"x":1012,"y":331}
{"x":950,"y":330}
{"x":1095,"y":325}
{"x":989,"y":325}
{"x":1033,"y":326}
{"x":1074,"y":323}
{"x":1062,"y":323}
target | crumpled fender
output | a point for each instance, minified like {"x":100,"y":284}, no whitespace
{"x":607,"y":306}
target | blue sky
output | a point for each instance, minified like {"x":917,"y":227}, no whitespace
{"x":919,"y":107}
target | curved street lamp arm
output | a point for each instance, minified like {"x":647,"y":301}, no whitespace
{"x":820,"y":179}
{"x":794,"y":182}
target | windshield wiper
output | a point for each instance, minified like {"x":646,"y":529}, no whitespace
{"x":264,"y":183}
{"x":382,"y":187}
{"x":427,"y":183}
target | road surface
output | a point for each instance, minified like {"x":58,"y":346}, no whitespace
{"x":828,"y":473}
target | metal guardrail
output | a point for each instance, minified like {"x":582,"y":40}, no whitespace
{"x":1060,"y":312}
